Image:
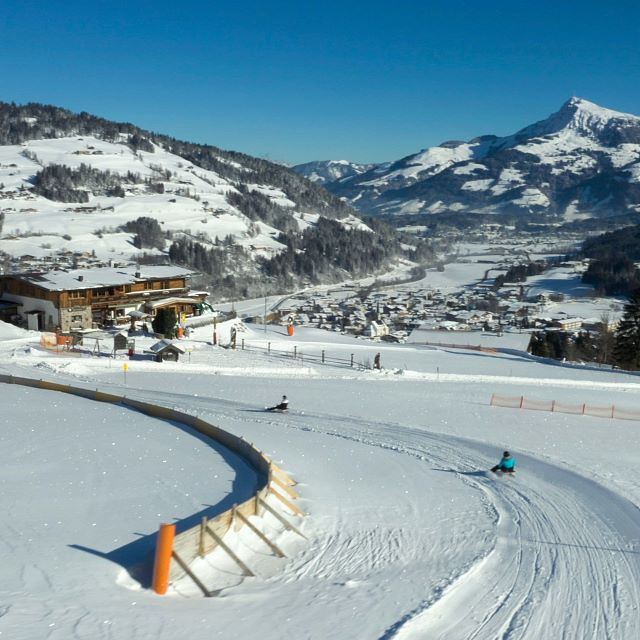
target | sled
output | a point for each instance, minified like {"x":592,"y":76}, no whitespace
{"x":501,"y":474}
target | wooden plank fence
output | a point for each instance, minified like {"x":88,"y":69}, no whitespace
{"x":202,"y":539}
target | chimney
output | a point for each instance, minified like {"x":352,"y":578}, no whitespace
{"x":80,"y":278}
{"x":137,"y":274}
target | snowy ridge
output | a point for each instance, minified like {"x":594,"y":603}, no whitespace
{"x":324,"y":171}
{"x":579,"y":115}
{"x":580,"y":162}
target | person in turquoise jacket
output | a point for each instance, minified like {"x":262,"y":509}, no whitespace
{"x":506,"y":465}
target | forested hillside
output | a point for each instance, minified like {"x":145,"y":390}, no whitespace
{"x":612,"y":270}
{"x":79,"y":183}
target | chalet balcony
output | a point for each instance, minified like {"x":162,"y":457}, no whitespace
{"x":128,"y":297}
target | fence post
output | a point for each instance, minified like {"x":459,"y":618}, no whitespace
{"x":584,"y":407}
{"x":162,"y":563}
{"x":521,"y":402}
{"x":351,"y":361}
{"x":613,"y":410}
{"x":323,"y":356}
{"x":268,"y":347}
{"x":295,"y":352}
{"x":243,"y":344}
{"x":553,"y":406}
{"x":491,"y":401}
{"x":203,"y":526}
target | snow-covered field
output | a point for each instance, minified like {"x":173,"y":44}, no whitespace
{"x":409,"y":537}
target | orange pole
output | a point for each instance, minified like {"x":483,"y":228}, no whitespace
{"x":162,"y":563}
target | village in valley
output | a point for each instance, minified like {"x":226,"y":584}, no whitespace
{"x":464,"y":301}
{"x":469,"y":311}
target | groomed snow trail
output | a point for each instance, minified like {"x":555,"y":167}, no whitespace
{"x":566,"y":564}
{"x":566,"y":559}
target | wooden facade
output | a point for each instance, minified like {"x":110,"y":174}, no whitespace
{"x":83,"y":306}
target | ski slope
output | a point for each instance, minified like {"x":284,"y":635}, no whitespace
{"x":409,"y":537}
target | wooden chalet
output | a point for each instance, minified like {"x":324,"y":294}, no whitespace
{"x":92,"y":298}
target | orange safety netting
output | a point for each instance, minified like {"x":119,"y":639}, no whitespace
{"x":521,"y":402}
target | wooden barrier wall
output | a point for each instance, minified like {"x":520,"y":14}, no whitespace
{"x":197,"y":541}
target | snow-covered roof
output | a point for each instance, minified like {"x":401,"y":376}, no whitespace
{"x":163,"y":302}
{"x":78,"y":279}
{"x":165,"y":344}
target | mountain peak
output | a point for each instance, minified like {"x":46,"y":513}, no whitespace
{"x":580,"y":116}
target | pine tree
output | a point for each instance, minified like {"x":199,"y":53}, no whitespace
{"x":626,"y":351}
{"x":165,"y":322}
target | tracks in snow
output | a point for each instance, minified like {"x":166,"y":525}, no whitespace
{"x":566,"y":559}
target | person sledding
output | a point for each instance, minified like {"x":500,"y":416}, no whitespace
{"x":506,"y":465}
{"x":283,"y":405}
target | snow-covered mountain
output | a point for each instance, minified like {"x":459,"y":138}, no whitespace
{"x":323,"y":171}
{"x":77,"y":183}
{"x":582,"y":161}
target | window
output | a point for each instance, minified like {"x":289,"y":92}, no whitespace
{"x":76,"y":294}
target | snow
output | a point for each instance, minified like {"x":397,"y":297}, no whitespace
{"x":578,"y":117}
{"x":469,"y":168}
{"x":572,"y":142}
{"x":36,"y":226}
{"x":75,"y":279}
{"x":477,"y":185}
{"x":408,"y":536}
{"x":509,"y":178}
{"x":533,"y":197}
{"x":431,"y":161}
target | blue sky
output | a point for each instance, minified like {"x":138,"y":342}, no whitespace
{"x":298,"y":81}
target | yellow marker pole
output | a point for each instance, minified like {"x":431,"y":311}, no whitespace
{"x":125,"y":368}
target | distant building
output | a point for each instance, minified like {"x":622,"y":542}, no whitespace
{"x":568,"y":324}
{"x":90,"y":298}
{"x":377,"y":329}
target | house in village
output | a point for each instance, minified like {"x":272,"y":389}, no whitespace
{"x":568,"y":324}
{"x":377,"y":329}
{"x":77,"y":299}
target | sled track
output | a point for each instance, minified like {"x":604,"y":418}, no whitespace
{"x":566,"y":559}
{"x":558,"y":570}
